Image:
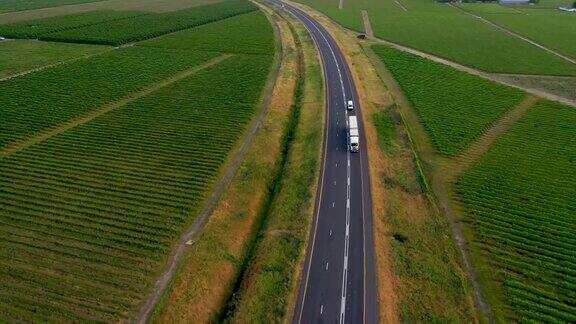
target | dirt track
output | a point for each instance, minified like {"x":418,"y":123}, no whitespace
{"x":367,"y":24}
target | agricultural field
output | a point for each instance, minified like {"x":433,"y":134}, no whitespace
{"x":41,"y":27}
{"x":454,"y":107}
{"x":18,"y":5}
{"x":519,"y":199}
{"x":549,"y":27}
{"x":18,"y":56}
{"x":229,"y":33}
{"x":151,"y":25}
{"x":89,"y":215}
{"x":152,"y":6}
{"x":45,"y":99}
{"x":111,"y":195}
{"x":448,"y":32}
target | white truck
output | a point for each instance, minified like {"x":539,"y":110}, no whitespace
{"x":353,"y":135}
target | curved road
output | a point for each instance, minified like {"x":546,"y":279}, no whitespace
{"x":338,"y":283}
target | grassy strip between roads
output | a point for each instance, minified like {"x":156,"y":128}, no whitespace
{"x":207,"y":277}
{"x":267,"y":290}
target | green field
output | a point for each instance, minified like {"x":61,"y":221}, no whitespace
{"x":519,"y":199}
{"x":89,"y":216}
{"x":23,"y":55}
{"x":226,"y":36}
{"x":447,"y":32}
{"x":18,"y":5}
{"x":454,"y":107}
{"x":551,"y":28}
{"x":47,"y":98}
{"x":41,"y":27}
{"x":151,"y":25}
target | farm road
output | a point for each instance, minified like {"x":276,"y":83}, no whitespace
{"x":367,"y":24}
{"x":53,"y":131}
{"x":339,"y":281}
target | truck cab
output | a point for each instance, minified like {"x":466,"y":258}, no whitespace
{"x":354,"y":144}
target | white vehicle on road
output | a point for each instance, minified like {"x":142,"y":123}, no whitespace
{"x":353,"y":135}
{"x":350,"y":105}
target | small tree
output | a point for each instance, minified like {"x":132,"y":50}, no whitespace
{"x":574,"y":4}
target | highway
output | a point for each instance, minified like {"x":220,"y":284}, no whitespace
{"x":338,"y":282}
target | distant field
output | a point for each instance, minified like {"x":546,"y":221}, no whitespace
{"x":88,"y":216}
{"x":119,"y":27}
{"x":151,"y":25}
{"x":22,"y":55}
{"x":447,"y":32}
{"x":552,"y":4}
{"x":18,"y":5}
{"x":454,"y":107}
{"x":549,"y":27}
{"x":519,"y":198}
{"x":226,"y":36}
{"x":38,"y":28}
{"x":157,"y":6}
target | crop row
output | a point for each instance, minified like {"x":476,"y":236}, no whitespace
{"x":47,"y":98}
{"x":520,"y":198}
{"x":151,"y":25}
{"x":454,"y":107}
{"x":37,"y":28}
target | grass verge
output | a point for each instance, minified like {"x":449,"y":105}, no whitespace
{"x":268,"y":288}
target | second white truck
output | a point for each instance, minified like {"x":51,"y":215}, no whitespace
{"x":353,"y":135}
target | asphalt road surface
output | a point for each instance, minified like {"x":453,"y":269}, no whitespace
{"x":338,"y":283}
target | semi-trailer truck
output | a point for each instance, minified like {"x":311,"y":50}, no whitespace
{"x":353,"y":135}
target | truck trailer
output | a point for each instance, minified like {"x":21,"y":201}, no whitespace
{"x":353,"y":135}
